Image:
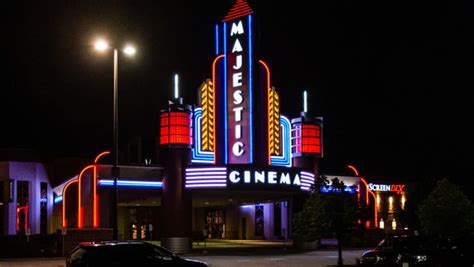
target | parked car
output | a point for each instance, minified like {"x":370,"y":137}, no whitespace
{"x":386,"y":252}
{"x":125,"y":253}
{"x":437,"y":253}
{"x":408,"y":251}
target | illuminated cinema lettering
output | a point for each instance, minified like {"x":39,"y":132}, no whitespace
{"x":240,"y":177}
{"x":398,"y":188}
{"x":238,"y":94}
{"x":248,"y":177}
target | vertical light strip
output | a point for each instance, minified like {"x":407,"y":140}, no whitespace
{"x":215,"y":107}
{"x":376,"y":223}
{"x":250,"y":89}
{"x":367,"y":191}
{"x":176,"y":86}
{"x":217,"y":39}
{"x":305,"y":101}
{"x":80,"y":220}
{"x":268,"y":108}
{"x":64,"y":201}
{"x":225,"y":93}
{"x":207,"y":127}
{"x":94,"y":191}
{"x":270,"y":125}
{"x":284,"y":159}
{"x":94,"y":194}
{"x":200,"y":156}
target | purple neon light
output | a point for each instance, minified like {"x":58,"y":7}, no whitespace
{"x":304,"y":180}
{"x":307,"y":180}
{"x":205,"y":181}
{"x":205,"y":169}
{"x":205,"y":185}
{"x":206,"y":177}
{"x":204,"y":173}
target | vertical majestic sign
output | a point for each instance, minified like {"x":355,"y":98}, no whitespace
{"x":239,"y":121}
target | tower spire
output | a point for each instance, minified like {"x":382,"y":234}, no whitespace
{"x":241,"y":8}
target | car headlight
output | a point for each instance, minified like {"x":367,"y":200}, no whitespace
{"x":367,"y":259}
{"x":379,"y":258}
{"x":421,"y":258}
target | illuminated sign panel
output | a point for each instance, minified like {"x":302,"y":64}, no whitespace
{"x":11,"y":186}
{"x":175,"y":128}
{"x":398,"y":188}
{"x":307,"y":138}
{"x":350,"y":184}
{"x":239,"y":130}
{"x":244,"y":177}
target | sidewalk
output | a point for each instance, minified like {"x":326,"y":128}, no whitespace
{"x":243,"y":247}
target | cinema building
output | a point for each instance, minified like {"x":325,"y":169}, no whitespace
{"x":232,"y":166}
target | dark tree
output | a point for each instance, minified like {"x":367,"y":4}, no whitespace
{"x":447,"y":212}
{"x":334,"y":213}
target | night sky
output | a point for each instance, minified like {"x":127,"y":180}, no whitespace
{"x":392,"y":79}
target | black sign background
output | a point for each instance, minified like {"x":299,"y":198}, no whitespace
{"x":241,"y":185}
{"x":231,"y":61}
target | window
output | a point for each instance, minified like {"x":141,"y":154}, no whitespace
{"x":22,"y":201}
{"x":43,"y":208}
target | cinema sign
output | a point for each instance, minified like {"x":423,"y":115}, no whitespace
{"x":251,"y":177}
{"x":239,"y":90}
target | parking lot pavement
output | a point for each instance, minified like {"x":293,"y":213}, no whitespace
{"x":32,"y":262}
{"x":313,"y":259}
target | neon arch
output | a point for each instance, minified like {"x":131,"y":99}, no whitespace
{"x":64,"y":200}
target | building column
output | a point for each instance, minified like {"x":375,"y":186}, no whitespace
{"x":176,"y":230}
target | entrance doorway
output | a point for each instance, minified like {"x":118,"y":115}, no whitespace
{"x":139,"y":221}
{"x":215,"y":223}
{"x":259,"y":221}
{"x":139,"y":232}
{"x":244,"y":228}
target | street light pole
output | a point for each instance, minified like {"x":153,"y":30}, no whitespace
{"x":115,"y":150}
{"x":115,"y":171}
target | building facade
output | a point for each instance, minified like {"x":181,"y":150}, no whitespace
{"x":26,"y":198}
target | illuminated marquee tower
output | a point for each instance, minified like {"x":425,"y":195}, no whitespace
{"x":239,"y":121}
{"x":231,"y":131}
{"x":240,"y":141}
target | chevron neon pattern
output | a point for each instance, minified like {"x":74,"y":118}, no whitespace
{"x":207,"y":122}
{"x":273,"y":122}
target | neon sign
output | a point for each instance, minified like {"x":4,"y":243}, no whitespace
{"x":248,"y":177}
{"x":264,"y":177}
{"x":239,"y":128}
{"x":240,"y":177}
{"x":398,"y":188}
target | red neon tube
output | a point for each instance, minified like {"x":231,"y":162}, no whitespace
{"x":214,"y":103}
{"x":80,"y":219}
{"x":268,"y":106}
{"x":376,"y":223}
{"x":94,"y":192}
{"x":25,"y":211}
{"x":64,"y":201}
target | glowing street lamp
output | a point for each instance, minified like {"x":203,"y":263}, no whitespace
{"x":102,"y":45}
